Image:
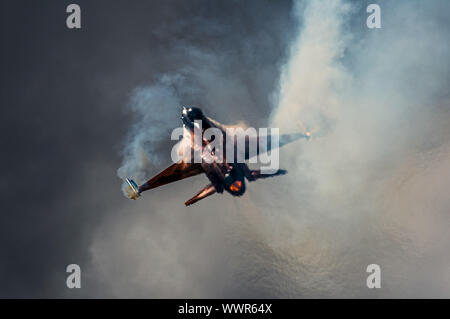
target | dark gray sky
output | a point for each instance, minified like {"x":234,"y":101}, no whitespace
{"x":360,"y":196}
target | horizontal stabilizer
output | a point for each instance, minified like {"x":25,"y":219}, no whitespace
{"x":205,"y":192}
{"x":257,"y":174}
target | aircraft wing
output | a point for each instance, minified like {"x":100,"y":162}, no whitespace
{"x":173,"y":173}
{"x":283,"y":139}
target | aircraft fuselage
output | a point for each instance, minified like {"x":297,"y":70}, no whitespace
{"x":224,"y":176}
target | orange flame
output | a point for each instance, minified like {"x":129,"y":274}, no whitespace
{"x":236,"y":186}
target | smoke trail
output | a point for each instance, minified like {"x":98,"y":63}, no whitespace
{"x":343,"y":184}
{"x":156,"y":110}
{"x":312,"y":76}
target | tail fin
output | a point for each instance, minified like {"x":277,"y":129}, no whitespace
{"x":205,"y":192}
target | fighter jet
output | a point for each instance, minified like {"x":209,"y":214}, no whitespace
{"x":224,"y":175}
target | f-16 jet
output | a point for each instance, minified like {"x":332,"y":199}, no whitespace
{"x":227,"y":174}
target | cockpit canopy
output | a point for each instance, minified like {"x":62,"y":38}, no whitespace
{"x":193,"y":113}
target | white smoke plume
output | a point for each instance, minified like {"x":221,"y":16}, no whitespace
{"x":354,"y":194}
{"x":313,"y":76}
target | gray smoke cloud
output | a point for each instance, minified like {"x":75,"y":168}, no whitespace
{"x":156,"y":108}
{"x":365,"y":199}
{"x":371,"y":188}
